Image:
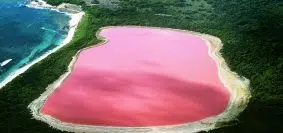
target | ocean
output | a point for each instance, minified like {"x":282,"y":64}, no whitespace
{"x":27,"y":33}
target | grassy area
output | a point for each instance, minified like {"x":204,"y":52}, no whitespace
{"x":250,"y":30}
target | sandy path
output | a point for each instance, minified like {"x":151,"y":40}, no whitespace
{"x":238,"y":87}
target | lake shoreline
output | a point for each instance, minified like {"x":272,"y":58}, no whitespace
{"x":237,"y":86}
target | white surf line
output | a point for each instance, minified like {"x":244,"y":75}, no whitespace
{"x":50,"y":30}
{"x":5,"y":62}
{"x":237,"y":86}
{"x":40,"y":4}
{"x":73,"y":23}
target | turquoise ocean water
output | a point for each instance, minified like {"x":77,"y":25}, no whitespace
{"x":27,"y":33}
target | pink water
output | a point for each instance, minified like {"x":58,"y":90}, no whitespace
{"x":141,"y":77}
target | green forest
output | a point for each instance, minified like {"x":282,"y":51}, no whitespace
{"x":251,"y":30}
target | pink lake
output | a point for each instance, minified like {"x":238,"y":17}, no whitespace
{"x":141,"y":77}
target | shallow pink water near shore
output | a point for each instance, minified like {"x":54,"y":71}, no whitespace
{"x":141,"y":77}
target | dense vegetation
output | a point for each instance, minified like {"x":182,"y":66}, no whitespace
{"x":250,"y":30}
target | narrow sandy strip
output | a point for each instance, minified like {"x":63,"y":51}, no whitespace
{"x":73,"y":23}
{"x":238,"y":88}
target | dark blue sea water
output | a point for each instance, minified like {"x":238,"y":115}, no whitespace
{"x":27,"y":33}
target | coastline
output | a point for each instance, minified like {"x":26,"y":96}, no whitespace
{"x":73,"y":23}
{"x":237,"y":86}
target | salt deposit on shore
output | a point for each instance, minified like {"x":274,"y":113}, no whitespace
{"x":73,"y":23}
{"x":237,"y":86}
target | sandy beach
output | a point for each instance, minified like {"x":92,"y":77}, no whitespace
{"x":73,"y":23}
{"x":237,"y":86}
